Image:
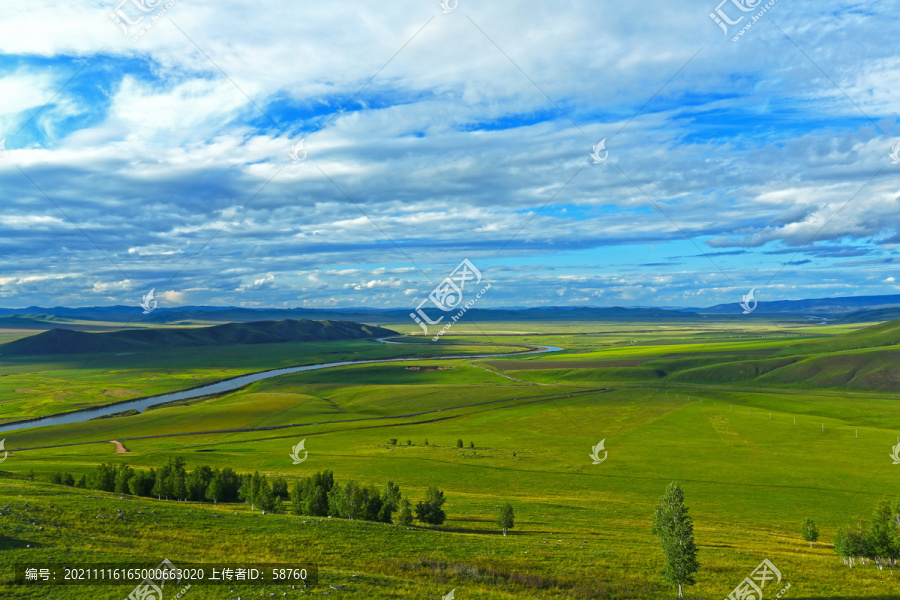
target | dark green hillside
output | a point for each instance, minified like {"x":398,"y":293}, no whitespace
{"x":862,"y":360}
{"x":733,"y":372}
{"x":64,"y":341}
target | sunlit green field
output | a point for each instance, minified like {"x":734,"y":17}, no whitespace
{"x":756,"y":451}
{"x":36,"y":386}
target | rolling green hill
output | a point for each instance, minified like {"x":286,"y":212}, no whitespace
{"x":863,"y":360}
{"x":883,"y":334}
{"x":866,"y":360}
{"x":64,"y":341}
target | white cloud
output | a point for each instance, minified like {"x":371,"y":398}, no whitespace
{"x":113,"y":286}
{"x":450,"y":151}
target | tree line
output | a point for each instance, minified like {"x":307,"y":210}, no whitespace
{"x":171,"y":481}
{"x":317,"y":495}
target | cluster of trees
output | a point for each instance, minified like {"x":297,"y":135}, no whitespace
{"x":877,"y":540}
{"x":317,"y":495}
{"x":64,"y":479}
{"x":172,"y":480}
{"x":459,"y":443}
{"x":429,"y":511}
{"x":320,"y":495}
{"x":256,"y":491}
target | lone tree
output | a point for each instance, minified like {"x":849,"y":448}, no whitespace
{"x":180,"y":489}
{"x":506,"y":520}
{"x":392,"y":495}
{"x":809,"y":531}
{"x":317,"y":503}
{"x":675,"y":530}
{"x":215,"y":491}
{"x":879,"y":542}
{"x":265,"y":498}
{"x":405,"y":517}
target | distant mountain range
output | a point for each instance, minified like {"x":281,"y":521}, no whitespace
{"x":870,"y":316}
{"x":39,"y":317}
{"x":67,"y":341}
{"x":818,"y":306}
{"x":847,"y":308}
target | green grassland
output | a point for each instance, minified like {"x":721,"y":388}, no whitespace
{"x":762,"y":425}
{"x":33,"y":386}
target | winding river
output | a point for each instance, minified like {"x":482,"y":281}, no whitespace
{"x":226,"y":385}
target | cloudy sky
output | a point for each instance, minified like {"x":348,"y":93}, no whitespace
{"x":148,"y":144}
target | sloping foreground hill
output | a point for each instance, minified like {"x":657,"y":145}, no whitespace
{"x":65,"y":341}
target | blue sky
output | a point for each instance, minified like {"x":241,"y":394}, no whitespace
{"x":164,"y":161}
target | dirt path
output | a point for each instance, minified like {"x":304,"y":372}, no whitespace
{"x":504,"y":375}
{"x":120,"y":449}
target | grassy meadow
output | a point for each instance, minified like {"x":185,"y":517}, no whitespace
{"x":762,"y":424}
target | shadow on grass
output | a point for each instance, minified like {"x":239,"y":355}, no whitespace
{"x":509,"y":533}
{"x":472,"y":518}
{"x":8,"y":543}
